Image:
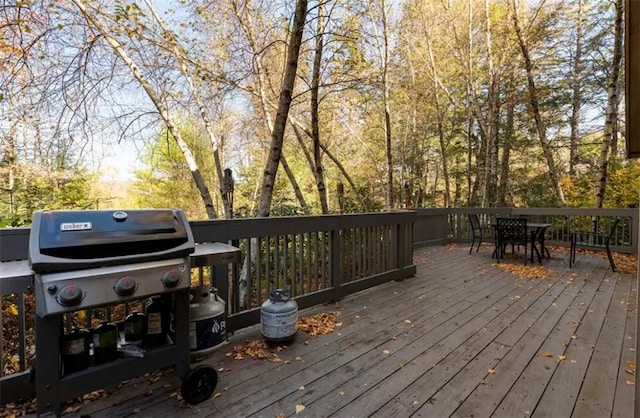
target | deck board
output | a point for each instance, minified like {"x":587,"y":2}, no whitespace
{"x":602,"y":373}
{"x":424,"y":347}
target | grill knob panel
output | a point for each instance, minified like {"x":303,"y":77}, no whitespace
{"x":125,"y":286}
{"x":171,"y":278}
{"x":70,"y":295}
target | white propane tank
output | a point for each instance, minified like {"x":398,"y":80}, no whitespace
{"x":207,"y":323}
{"x":279,"y":317}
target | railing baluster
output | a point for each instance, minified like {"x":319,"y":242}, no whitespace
{"x":21,"y":331}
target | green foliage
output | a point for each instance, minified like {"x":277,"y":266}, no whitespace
{"x":623,"y":188}
{"x":37,"y":189}
{"x":166,"y":181}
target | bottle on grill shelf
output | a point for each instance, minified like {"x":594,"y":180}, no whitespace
{"x":157,"y":321}
{"x":75,"y":351}
{"x":105,"y":343}
{"x":133,"y":325}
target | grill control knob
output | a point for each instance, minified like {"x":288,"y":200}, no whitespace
{"x":52,"y":289}
{"x":171,"y":278}
{"x":70,"y":295}
{"x":125,"y":286}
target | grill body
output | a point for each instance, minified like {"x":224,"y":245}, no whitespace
{"x":88,"y":259}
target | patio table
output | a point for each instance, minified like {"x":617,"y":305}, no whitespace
{"x":537,"y":232}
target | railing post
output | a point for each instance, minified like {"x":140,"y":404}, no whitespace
{"x":335,"y":270}
{"x":401,"y":238}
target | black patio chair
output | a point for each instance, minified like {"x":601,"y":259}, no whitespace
{"x":590,"y":239}
{"x":476,"y":231}
{"x":511,"y":231}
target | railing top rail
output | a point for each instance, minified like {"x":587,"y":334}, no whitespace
{"x":14,"y":241}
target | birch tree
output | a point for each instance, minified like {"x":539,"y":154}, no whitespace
{"x":284,"y":103}
{"x":576,"y":87}
{"x":315,"y":113}
{"x":174,"y":46}
{"x":611,"y":115}
{"x":535,"y":106}
{"x":93,"y":19}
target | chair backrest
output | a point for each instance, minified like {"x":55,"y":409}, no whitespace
{"x":475,"y":222}
{"x":512,"y":229}
{"x":612,"y":231}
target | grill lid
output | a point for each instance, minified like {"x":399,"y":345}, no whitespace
{"x":69,"y":240}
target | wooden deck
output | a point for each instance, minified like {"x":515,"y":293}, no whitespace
{"x":463,"y":338}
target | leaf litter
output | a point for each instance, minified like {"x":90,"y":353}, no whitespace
{"x":314,"y":325}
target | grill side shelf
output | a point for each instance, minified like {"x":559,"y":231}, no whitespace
{"x":214,"y":253}
{"x":15,"y":277}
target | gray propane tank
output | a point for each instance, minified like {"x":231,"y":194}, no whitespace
{"x":279,"y":317}
{"x":207,"y":323}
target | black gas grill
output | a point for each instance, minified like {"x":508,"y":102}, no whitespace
{"x":89,"y":259}
{"x":85,"y":259}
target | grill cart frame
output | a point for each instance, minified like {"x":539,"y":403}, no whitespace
{"x":164,"y":270}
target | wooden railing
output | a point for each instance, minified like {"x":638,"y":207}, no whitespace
{"x":320,"y":258}
{"x":437,"y":226}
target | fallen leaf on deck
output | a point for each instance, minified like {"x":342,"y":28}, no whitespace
{"x":491,"y":371}
{"x":257,"y":349}
{"x":407,"y":321}
{"x":632,"y":367}
{"x":341,"y":393}
{"x":629,"y":382}
{"x":525,"y":272}
{"x":298,"y":358}
{"x":281,"y":415}
{"x":546,"y":354}
{"x":135,"y":410}
{"x":299,"y":408}
{"x":561,"y":357}
{"x":385,"y":351}
{"x":573,"y":361}
{"x":301,"y":388}
{"x":217,"y":395}
{"x":573,"y":337}
{"x":71,"y":409}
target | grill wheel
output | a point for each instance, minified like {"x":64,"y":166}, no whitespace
{"x":199,"y":384}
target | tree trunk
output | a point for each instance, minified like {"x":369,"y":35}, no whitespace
{"x":284,"y":103}
{"x":385,"y":99}
{"x":533,"y":98}
{"x":611,"y":116}
{"x":493,"y":116}
{"x":315,"y":122}
{"x":215,"y":143}
{"x":157,"y":102}
{"x":299,"y":129}
{"x":576,"y":82}
{"x":503,"y":189}
{"x":441,"y":135}
{"x":294,"y":184}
